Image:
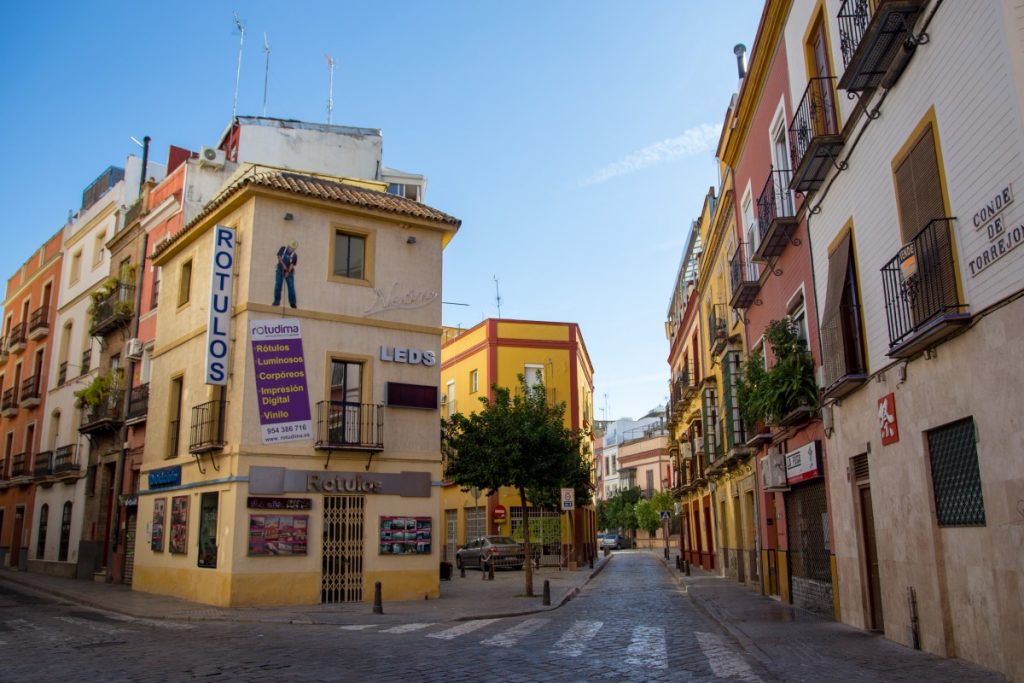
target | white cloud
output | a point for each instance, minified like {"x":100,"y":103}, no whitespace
{"x":693,"y":141}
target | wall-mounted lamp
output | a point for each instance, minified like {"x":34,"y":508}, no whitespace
{"x":289,"y":217}
{"x":411,"y":239}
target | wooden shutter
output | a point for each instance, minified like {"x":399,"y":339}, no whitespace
{"x":918,"y":189}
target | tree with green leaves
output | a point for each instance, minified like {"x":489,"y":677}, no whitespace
{"x":522,"y":442}
{"x":648,"y":511}
{"x":620,"y":510}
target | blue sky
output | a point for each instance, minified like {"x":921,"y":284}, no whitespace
{"x":575,"y":140}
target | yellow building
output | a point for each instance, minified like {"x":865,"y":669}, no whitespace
{"x":293,"y":455}
{"x":494,"y":353}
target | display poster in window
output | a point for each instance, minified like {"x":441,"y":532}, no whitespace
{"x":156,"y":540}
{"x":208,"y":530}
{"x":405,"y":535}
{"x":278,"y":534}
{"x":179,"y":525}
{"x":280,"y":367}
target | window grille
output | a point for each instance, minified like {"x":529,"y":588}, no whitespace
{"x":956,"y":480}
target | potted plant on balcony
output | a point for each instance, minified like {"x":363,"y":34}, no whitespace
{"x":99,"y":391}
{"x":786,"y":393}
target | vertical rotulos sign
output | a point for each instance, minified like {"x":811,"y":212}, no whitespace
{"x":217,"y":332}
{"x":280,"y":368}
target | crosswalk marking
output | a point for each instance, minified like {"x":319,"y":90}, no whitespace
{"x":723,"y":660}
{"x":461,"y":629}
{"x":647,"y":648}
{"x":356,"y":627}
{"x":573,"y":641}
{"x":407,"y":628}
{"x":511,"y":636}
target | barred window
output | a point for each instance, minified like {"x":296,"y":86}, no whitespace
{"x":956,"y":479}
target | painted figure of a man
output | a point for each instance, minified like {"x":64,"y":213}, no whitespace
{"x":287,"y":259}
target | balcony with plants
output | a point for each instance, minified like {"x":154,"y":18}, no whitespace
{"x":786,"y":394}
{"x":870,"y":40}
{"x":112,"y":306}
{"x":814,"y":136}
{"x":101,"y":403}
{"x":922,"y":299}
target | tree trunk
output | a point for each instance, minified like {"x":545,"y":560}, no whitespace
{"x":528,"y":563}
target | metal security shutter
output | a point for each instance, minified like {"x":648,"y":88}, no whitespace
{"x":956,"y":479}
{"x":809,"y":561}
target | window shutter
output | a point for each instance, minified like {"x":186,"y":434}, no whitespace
{"x":832,"y":339}
{"x":918,"y":190}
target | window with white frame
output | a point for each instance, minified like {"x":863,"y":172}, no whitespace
{"x":534,"y":375}
{"x":797,"y":312}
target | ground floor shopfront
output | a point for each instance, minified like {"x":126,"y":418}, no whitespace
{"x":16,"y":498}
{"x":284,"y":536}
{"x":697,"y":538}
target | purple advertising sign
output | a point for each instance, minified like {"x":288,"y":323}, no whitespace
{"x":281,"y":380}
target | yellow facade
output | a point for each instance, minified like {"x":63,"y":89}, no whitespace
{"x":496,"y":352}
{"x":351,"y":321}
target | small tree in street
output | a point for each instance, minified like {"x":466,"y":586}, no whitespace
{"x":522,"y":442}
{"x":620,"y":510}
{"x":648,"y":511}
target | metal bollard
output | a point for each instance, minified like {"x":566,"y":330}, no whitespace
{"x":591,"y":561}
{"x":686,"y":566}
{"x":606,"y":551}
{"x":378,"y":606}
{"x":490,"y":572}
{"x":666,"y":554}
{"x":462,"y":572}
{"x":547,"y":593}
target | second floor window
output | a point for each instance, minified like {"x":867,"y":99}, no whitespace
{"x":185,"y":283}
{"x":349,"y":255}
{"x":346,"y":381}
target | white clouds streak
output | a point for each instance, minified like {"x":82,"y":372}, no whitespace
{"x":693,"y":141}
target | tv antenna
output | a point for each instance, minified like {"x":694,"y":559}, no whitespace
{"x":238,"y":70}
{"x":330,"y":91}
{"x":497,"y":296}
{"x":266,"y":71}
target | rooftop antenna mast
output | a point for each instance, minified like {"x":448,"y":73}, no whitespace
{"x":330,"y":91}
{"x":238,"y":71}
{"x":266,"y":72}
{"x":497,"y":296}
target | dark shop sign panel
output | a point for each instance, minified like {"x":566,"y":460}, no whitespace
{"x":263,"y":503}
{"x":274,"y":481}
{"x":163,"y":478}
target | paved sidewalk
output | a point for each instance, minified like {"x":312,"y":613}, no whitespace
{"x":797,"y":645}
{"x":461,"y":599}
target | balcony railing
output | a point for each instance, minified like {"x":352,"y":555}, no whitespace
{"x":9,"y":403}
{"x":206,"y":432}
{"x":86,"y":361}
{"x":3,"y":349}
{"x":104,"y":416}
{"x":113,"y":310}
{"x":42,"y":465}
{"x":744,"y":278}
{"x":683,"y":386}
{"x":62,"y":373}
{"x":814,"y":137}
{"x":843,"y":354}
{"x":3,"y":469}
{"x":870,"y":42}
{"x":21,"y":465}
{"x":349,"y":426}
{"x":922,"y":304}
{"x":39,"y":323}
{"x":65,"y":460}
{"x":718,"y":328}
{"x":29,"y":396}
{"x":16,"y":338}
{"x":138,"y":402}
{"x":776,"y":215}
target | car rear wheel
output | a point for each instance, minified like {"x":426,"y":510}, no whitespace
{"x":458,"y":562}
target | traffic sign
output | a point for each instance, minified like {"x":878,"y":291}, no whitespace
{"x":568,"y":499}
{"x":665,"y":514}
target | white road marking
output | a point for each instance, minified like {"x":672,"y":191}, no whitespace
{"x":356,"y":627}
{"x":723,"y":660}
{"x":407,"y":628}
{"x":461,"y":629}
{"x":648,"y":648}
{"x":511,"y":636}
{"x":573,"y":641}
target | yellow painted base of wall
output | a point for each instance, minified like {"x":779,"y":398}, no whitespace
{"x":782,"y":562}
{"x":221,"y":589}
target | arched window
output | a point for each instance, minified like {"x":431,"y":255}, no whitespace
{"x":44,"y":518}
{"x":65,"y":532}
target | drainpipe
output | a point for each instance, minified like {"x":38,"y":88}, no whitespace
{"x":123,"y":433}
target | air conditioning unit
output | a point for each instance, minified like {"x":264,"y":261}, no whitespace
{"x":211,"y":156}
{"x":773,"y":471}
{"x":444,"y":399}
{"x":133,"y":349}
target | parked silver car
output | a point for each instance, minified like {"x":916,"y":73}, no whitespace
{"x":612,"y":541}
{"x":483,"y":552}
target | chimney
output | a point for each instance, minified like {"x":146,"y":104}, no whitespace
{"x":741,"y":59}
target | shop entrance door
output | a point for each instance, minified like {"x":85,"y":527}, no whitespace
{"x":867,"y":520}
{"x":19,"y":525}
{"x":129,"y":546}
{"x":342,"y":577}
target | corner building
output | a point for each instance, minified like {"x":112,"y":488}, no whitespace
{"x":313,"y":471}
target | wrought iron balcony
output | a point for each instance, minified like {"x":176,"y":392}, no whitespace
{"x":62,"y":373}
{"x":21,"y":465}
{"x":9,"y":403}
{"x":922,"y":301}
{"x":683,"y":388}
{"x":206,"y":432}
{"x":776,"y":216}
{"x":42,"y":465}
{"x":843,"y":354}
{"x":138,"y":403}
{"x":29,"y":396}
{"x":718,"y":329}
{"x":16,"y":339}
{"x":814,"y":137}
{"x":3,"y":469}
{"x":871,"y":41}
{"x":3,"y":349}
{"x":344,"y":426}
{"x":86,"y":361}
{"x":113,"y":310}
{"x":104,"y":416}
{"x":39,"y":323}
{"x":744,"y":278}
{"x":65,"y":460}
